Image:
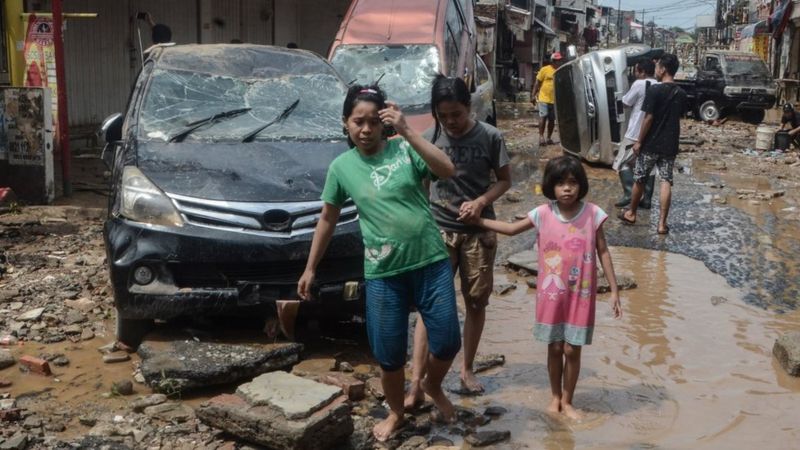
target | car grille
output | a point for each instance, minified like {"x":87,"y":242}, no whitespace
{"x":195,"y":275}
{"x":272,"y":219}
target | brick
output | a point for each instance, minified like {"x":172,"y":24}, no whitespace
{"x":36,"y":365}
{"x":353,"y":388}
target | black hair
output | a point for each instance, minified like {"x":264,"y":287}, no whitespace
{"x":291,"y":45}
{"x":558,"y":169}
{"x":359,"y":93}
{"x":670,"y":62}
{"x":647,"y":66}
{"x":161,"y":34}
{"x":447,"y":90}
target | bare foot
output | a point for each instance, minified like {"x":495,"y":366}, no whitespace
{"x":571,"y":412}
{"x":554,"y":406}
{"x":471,"y":383}
{"x":383,"y":430}
{"x":414,"y":398}
{"x":447,"y":412}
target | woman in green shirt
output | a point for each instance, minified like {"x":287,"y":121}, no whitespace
{"x":405,"y":260}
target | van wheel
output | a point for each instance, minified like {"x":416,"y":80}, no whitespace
{"x":708,"y":111}
{"x":754,"y":116}
{"x":132,"y":331}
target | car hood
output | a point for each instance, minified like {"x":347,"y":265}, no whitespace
{"x":281,"y":171}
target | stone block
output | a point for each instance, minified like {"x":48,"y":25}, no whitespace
{"x":267,"y":426}
{"x":294,"y":397}
{"x":787,"y":351}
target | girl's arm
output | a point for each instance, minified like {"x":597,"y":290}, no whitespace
{"x":509,"y":229}
{"x":608,"y":268}
{"x":438,"y":161}
{"x":322,"y":237}
{"x":472,"y":210}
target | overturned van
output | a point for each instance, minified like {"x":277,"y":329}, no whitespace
{"x":589,"y":88}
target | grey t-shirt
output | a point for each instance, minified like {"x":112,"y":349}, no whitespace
{"x":476,"y":156}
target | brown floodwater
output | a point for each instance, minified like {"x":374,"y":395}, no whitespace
{"x":677,"y":371}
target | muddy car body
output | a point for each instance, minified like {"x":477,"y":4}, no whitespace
{"x":218,"y":216}
{"x":405,"y":44}
{"x":728,"y":82}
{"x":592,"y":119}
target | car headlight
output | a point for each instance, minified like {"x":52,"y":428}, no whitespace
{"x":143,"y":201}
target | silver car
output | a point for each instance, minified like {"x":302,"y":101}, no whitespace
{"x":589,"y":88}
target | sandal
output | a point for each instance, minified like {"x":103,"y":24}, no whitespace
{"x":550,"y":142}
{"x":542,"y":143}
{"x":664,"y":231}
{"x":625,"y":220}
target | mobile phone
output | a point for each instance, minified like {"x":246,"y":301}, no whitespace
{"x":141,"y":15}
{"x":389,"y":131}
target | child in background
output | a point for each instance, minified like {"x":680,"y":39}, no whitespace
{"x":570,"y":238}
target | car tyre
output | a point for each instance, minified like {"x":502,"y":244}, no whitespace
{"x":708,"y":110}
{"x":754,"y":116}
{"x":132,"y":331}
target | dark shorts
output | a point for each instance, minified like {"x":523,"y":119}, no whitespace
{"x":645,"y":163}
{"x":431,"y":291}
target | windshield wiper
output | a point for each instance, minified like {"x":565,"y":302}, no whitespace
{"x":181,"y":135}
{"x":250,"y":137}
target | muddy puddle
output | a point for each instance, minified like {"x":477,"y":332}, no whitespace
{"x":688,"y":366}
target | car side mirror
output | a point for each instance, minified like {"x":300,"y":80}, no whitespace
{"x":111,"y":132}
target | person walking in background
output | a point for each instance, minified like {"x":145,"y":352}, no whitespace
{"x":570,"y":237}
{"x":405,"y":260}
{"x":623,"y":163}
{"x":479,"y":153}
{"x":544,"y":97}
{"x":658,"y":143}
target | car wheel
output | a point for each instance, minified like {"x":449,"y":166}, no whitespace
{"x":754,"y":116}
{"x":132,"y":331}
{"x":708,"y":111}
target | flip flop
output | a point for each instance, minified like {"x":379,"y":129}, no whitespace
{"x":542,"y":143}
{"x":664,"y":231}
{"x":625,"y":220}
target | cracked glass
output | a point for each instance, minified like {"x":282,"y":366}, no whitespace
{"x":406,"y":72}
{"x":185,"y":89}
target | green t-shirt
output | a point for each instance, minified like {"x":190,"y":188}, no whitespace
{"x":398,"y":229}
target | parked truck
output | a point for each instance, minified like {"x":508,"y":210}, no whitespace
{"x":727,"y":82}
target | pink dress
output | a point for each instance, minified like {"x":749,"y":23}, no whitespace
{"x":567,"y":279}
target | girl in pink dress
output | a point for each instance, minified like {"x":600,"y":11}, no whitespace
{"x":570,"y":237}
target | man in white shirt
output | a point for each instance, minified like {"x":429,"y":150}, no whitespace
{"x":623,"y":163}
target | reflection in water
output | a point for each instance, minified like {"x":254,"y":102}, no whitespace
{"x":676,"y":372}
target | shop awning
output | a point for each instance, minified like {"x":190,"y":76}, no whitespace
{"x":754,"y":29}
{"x":541,"y":25}
{"x":572,"y":10}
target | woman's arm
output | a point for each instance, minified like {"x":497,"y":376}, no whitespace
{"x":510,"y":229}
{"x":437,"y":160}
{"x":608,"y":268}
{"x":322,"y":237}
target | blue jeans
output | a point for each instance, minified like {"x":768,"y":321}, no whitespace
{"x":431,"y":290}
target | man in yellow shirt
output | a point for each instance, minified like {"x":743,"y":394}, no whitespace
{"x":545,"y":89}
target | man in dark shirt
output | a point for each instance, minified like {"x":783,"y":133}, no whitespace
{"x":664,"y":105}
{"x":790,"y":121}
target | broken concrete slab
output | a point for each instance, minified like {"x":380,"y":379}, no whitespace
{"x":314,"y":367}
{"x":33,"y":314}
{"x":267,"y":426}
{"x":170,"y":412}
{"x":527,"y":260}
{"x":787,"y":351}
{"x":141,"y":403}
{"x":178,"y":366}
{"x":294,"y":397}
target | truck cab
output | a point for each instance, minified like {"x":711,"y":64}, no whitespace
{"x":726,"y":82}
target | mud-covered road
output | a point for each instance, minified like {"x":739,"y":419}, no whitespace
{"x":689,"y":365}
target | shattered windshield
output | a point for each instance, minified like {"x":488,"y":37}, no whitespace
{"x":747,"y":67}
{"x":406,"y":72}
{"x":178,"y":98}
